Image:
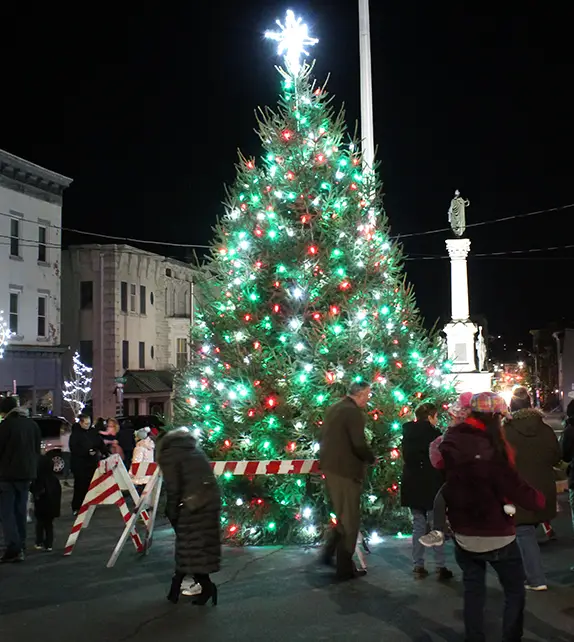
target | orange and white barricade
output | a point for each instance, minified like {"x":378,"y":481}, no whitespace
{"x":105,"y":489}
{"x":149,"y":500}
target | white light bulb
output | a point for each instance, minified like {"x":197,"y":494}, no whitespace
{"x":295,"y":324}
{"x":311,"y":530}
{"x":315,"y":447}
{"x":308,"y":367}
{"x":307,"y":512}
{"x":300,"y":347}
{"x":375,"y":538}
{"x":239,"y":502}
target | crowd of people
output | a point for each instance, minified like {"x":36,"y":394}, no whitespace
{"x":485,"y":483}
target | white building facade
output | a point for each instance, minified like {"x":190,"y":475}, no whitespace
{"x":30,"y":273}
{"x":128,"y":312}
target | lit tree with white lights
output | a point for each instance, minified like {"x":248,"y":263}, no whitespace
{"x":5,"y":334}
{"x":78,"y":390}
{"x":311,"y":297}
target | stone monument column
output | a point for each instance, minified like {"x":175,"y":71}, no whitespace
{"x":460,"y":331}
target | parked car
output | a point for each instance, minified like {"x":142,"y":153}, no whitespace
{"x":52,"y":429}
{"x":140,"y":421}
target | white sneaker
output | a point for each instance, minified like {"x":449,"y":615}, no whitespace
{"x":434,"y":538}
{"x":540,"y":587}
{"x":194,"y":589}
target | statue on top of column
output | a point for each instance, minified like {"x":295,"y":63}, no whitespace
{"x":457,"y":215}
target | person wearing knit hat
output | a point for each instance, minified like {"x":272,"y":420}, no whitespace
{"x":480,"y":478}
{"x":144,"y":452}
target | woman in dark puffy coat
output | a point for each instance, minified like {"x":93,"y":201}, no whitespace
{"x":193,"y":508}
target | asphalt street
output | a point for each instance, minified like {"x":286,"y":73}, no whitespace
{"x":266,"y":594}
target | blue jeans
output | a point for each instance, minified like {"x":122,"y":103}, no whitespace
{"x":422,"y":519}
{"x":531,"y":558}
{"x":13,"y":511}
{"x":507,"y":564}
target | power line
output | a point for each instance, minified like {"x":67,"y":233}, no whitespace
{"x":193,"y":245}
{"x":482,"y":223}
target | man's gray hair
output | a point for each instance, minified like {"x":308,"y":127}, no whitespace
{"x":356,"y":387}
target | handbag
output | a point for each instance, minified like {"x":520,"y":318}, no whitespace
{"x":207,"y":491}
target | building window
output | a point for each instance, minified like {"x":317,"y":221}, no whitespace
{"x":143,"y":299}
{"x":123,"y":296}
{"x":42,"y":308}
{"x":181,"y":353}
{"x":87,"y":353}
{"x":126,"y":355}
{"x":14,"y":237}
{"x":132,"y":297}
{"x":168,"y":271}
{"x":42,"y":249}
{"x":142,"y":355}
{"x":166,"y":304}
{"x":86,"y":295}
{"x":14,"y":304}
{"x":152,"y":352}
{"x":151,"y":297}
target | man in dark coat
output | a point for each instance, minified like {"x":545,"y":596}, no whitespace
{"x":344,"y":456}
{"x":86,"y":449}
{"x":20,"y":440}
{"x":193,"y":508}
{"x":420,"y":484}
{"x":536,"y":451}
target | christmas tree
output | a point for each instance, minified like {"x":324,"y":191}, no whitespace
{"x":309,"y":296}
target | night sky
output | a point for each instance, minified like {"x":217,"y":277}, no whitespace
{"x":144,"y":106}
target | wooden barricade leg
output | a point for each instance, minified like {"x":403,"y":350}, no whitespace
{"x":150,"y":525}
{"x":131,"y":520}
{"x":359,"y":552}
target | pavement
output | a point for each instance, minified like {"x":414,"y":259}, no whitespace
{"x":267,"y":593}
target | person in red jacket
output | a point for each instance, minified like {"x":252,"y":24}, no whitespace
{"x":480,"y":479}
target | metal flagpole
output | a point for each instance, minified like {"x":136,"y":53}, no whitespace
{"x":367,"y":125}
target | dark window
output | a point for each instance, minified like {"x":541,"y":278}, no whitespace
{"x":41,"y":316}
{"x":151,"y":297}
{"x":168,"y":271}
{"x":42,"y":253}
{"x":14,"y":237}
{"x":143,"y":300}
{"x":86,"y":295}
{"x":87,"y":353}
{"x":142,"y":355}
{"x":126,"y":355}
{"x":123,"y":296}
{"x":133,"y":297}
{"x":152,"y":352}
{"x":14,"y":300}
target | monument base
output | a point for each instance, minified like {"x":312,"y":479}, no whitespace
{"x":474,"y":382}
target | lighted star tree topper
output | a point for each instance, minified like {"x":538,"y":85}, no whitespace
{"x":5,"y":334}
{"x":307,"y":295}
{"x":293,"y":38}
{"x":78,"y":390}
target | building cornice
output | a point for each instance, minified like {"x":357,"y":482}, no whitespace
{"x":23,"y":176}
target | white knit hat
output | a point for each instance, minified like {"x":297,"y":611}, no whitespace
{"x":142,"y":433}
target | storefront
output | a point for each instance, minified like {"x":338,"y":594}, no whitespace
{"x":35,"y":375}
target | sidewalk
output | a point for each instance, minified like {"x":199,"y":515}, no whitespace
{"x":276,"y":594}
